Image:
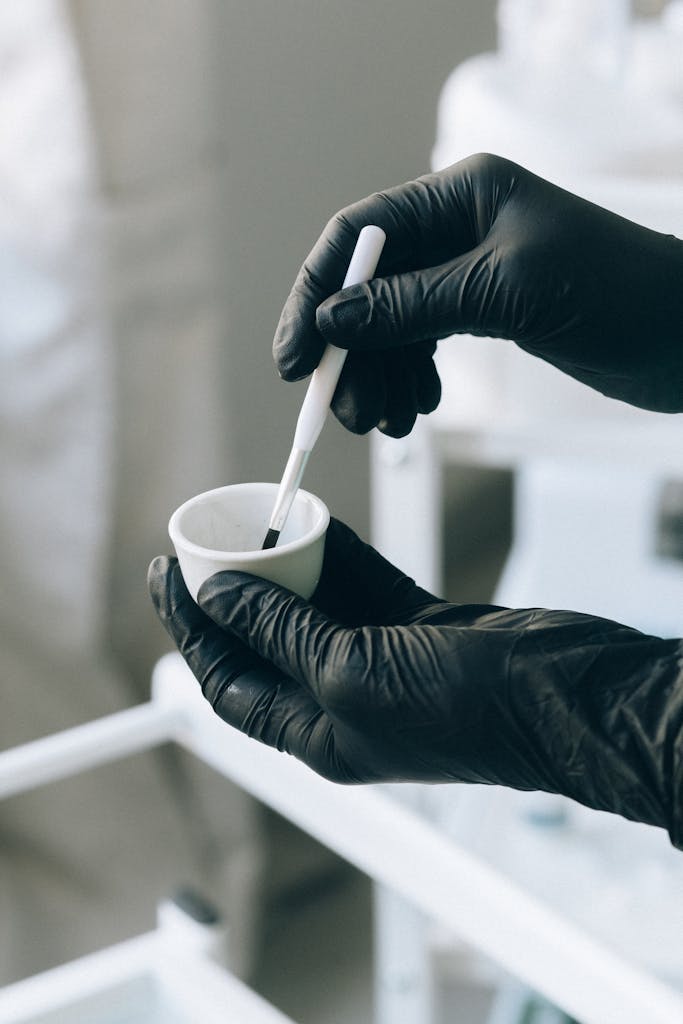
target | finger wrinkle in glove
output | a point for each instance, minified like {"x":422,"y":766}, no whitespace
{"x":299,"y":630}
{"x":191,"y":643}
{"x":269,"y":620}
{"x":250,"y":607}
{"x":277,"y":624}
{"x":259,"y":704}
{"x":346,"y":675}
{"x":275,"y":711}
{"x":251,"y":690}
{"x":606,"y":714}
{"x":221,"y":671}
{"x":376,"y":667}
{"x":416,"y":648}
{"x":387,"y":314}
{"x":652,"y":719}
{"x":315,"y":736}
{"x":334,"y":766}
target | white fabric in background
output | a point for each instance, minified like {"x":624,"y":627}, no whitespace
{"x":55,"y":389}
{"x":111,"y":412}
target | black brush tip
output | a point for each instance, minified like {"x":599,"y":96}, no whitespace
{"x":271,"y":540}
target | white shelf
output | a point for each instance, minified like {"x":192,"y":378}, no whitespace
{"x":148,"y":980}
{"x":393,"y":844}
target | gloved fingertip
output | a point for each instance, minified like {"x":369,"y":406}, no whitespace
{"x":170,"y":596}
{"x":356,"y":418}
{"x":291,"y":368}
{"x":157,"y":575}
{"x":345,"y":315}
{"x":429,"y":397}
{"x":297,"y":347}
{"x":398,"y":426}
{"x":160,"y":565}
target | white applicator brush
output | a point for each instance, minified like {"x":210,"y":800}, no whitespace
{"x":321,"y":389}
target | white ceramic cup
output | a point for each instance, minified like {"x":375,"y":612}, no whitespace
{"x":225,"y":529}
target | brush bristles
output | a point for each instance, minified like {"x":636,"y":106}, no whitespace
{"x":271,"y":540}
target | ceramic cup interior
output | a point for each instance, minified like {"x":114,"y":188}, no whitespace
{"x":225,"y":529}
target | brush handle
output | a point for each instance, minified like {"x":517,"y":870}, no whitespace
{"x":324,"y":380}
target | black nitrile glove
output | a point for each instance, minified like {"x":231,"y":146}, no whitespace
{"x":487,"y":248}
{"x":377,"y":680}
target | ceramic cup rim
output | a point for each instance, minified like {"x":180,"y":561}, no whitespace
{"x":178,"y":538}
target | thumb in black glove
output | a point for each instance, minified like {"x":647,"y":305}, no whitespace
{"x":377,"y":680}
{"x":487,"y":248}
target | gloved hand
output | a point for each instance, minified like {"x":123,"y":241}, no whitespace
{"x":377,"y":680}
{"x":487,"y":248}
